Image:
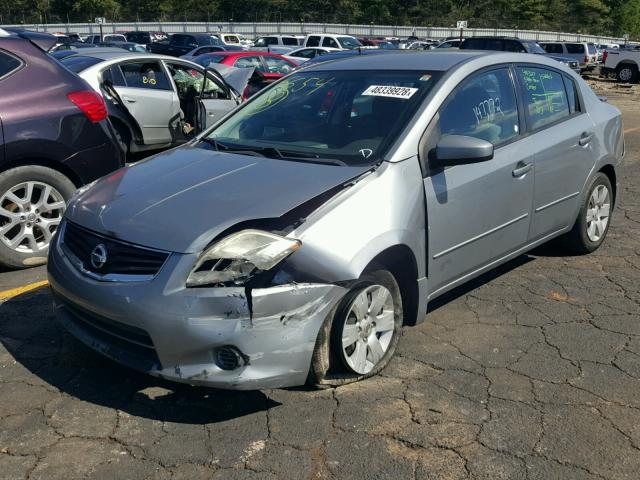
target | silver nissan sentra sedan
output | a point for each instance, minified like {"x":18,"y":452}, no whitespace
{"x":292,"y":240}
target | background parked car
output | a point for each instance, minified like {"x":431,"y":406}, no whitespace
{"x":625,"y":64}
{"x":231,"y":39}
{"x":449,"y":44}
{"x":112,"y":37}
{"x":128,"y":46}
{"x":510,"y":44}
{"x":346,"y":42}
{"x":155,"y":102}
{"x":301,"y":55}
{"x":211,"y":49}
{"x":145,"y":38}
{"x":584,"y":53}
{"x":329,"y":57}
{"x":54,"y":137}
{"x":262,"y":43}
{"x":271,"y":66}
{"x":182,"y":43}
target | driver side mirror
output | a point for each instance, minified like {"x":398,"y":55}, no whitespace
{"x":454,"y":150}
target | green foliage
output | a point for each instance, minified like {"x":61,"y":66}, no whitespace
{"x":592,"y":16}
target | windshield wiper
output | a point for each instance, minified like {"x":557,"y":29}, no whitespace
{"x":300,"y":157}
{"x":272,"y":152}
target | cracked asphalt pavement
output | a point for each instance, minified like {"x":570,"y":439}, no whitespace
{"x":530,"y":372}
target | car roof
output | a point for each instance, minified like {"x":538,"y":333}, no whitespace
{"x":115,"y":53}
{"x":419,"y":60}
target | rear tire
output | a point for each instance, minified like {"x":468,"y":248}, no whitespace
{"x":28,"y":219}
{"x":627,"y":73}
{"x":351,"y":347}
{"x":593,"y":221}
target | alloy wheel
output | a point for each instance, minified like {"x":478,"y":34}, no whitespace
{"x":598,"y":212}
{"x":30,"y":212}
{"x":368,"y":329}
{"x":626,"y":74}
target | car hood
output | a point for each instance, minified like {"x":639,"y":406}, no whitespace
{"x":182,"y":199}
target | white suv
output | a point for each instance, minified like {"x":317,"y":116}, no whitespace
{"x":332,"y":41}
{"x":585,"y":53}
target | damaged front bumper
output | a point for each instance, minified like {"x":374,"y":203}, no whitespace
{"x":170,"y":331}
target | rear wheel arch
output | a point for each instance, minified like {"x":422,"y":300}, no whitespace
{"x":48,"y":163}
{"x":401,"y":262}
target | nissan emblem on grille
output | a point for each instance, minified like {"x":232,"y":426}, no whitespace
{"x":99,"y":256}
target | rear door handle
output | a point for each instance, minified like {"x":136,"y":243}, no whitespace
{"x":129,"y":99}
{"x":585,"y":139}
{"x":521,"y":169}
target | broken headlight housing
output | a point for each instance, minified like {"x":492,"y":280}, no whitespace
{"x":236,"y":258}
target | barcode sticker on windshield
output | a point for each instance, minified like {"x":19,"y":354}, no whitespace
{"x":388,"y":91}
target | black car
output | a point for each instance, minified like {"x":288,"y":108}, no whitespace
{"x":145,"y":38}
{"x":180,"y":44}
{"x":54,"y":138}
{"x":512,"y":44}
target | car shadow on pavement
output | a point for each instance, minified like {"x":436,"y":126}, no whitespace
{"x":471,"y":285}
{"x":47,"y":356}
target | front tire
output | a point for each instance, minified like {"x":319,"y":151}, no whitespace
{"x":360,"y":336}
{"x":593,"y":221}
{"x":32,"y":201}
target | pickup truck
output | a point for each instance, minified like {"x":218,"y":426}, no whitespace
{"x":180,"y":44}
{"x":624,"y":63}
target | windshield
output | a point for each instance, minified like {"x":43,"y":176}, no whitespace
{"x":349,"y":42}
{"x":533,"y":47}
{"x":78,"y":63}
{"x":349,"y":116}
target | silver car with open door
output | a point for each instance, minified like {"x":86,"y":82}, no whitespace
{"x":156,"y":101}
{"x":293,"y":240}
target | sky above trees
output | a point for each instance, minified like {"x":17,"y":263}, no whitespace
{"x":614,"y":17}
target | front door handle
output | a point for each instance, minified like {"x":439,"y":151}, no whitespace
{"x":521,"y":169}
{"x":585,"y":139}
{"x":129,"y":99}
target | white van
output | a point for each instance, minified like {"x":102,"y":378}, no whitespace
{"x":331,"y":40}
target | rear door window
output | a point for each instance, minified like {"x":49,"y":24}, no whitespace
{"x":145,"y":75}
{"x":513,"y":46}
{"x":572,"y":95}
{"x":473,"y":44}
{"x":575,"y":48}
{"x":330,"y":42}
{"x":552,"y":47}
{"x":114,"y":75}
{"x":483,"y":107}
{"x":8,"y":64}
{"x":545,"y":97}
{"x":313,"y":41}
{"x":289,"y":41}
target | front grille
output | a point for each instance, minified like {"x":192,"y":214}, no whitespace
{"x":124,"y":343}
{"x":121,"y":258}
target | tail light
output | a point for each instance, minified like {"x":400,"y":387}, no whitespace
{"x":604,"y":56}
{"x":91,"y":104}
{"x":586,"y":59}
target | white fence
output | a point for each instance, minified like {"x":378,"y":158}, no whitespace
{"x":258,"y":29}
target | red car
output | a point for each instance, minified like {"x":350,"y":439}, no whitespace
{"x":271,"y":66}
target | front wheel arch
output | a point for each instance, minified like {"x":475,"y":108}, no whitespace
{"x":400,"y":261}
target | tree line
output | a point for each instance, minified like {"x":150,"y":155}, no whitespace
{"x":605,"y":17}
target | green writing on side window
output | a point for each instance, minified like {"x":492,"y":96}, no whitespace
{"x":545,"y":98}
